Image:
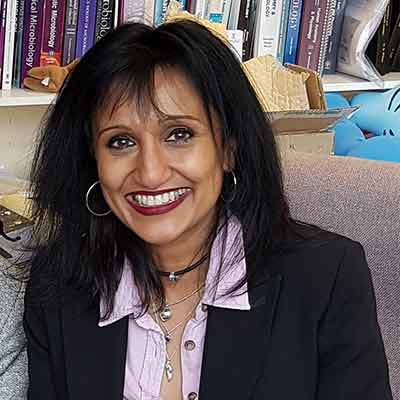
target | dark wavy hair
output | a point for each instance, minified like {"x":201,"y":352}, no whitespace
{"x":72,"y":247}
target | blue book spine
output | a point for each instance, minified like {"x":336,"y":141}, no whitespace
{"x":283,"y":29}
{"x":160,"y":10}
{"x":86,"y":25}
{"x":293,"y":31}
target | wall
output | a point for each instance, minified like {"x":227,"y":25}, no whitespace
{"x":18,"y":126}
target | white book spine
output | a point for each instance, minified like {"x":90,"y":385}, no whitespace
{"x":9,"y":39}
{"x":149,"y":12}
{"x":133,"y":11}
{"x":268,"y":27}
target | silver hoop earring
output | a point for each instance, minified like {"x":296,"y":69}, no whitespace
{"x":87,"y":202}
{"x":233,"y":195}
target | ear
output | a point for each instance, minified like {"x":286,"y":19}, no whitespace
{"x":229,"y":156}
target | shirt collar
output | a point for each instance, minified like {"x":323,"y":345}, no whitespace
{"x":223,"y":274}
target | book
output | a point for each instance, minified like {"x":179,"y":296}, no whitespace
{"x":311,"y":33}
{"x":53,"y":32}
{"x":392,"y":47}
{"x":3,"y":11}
{"x":85,"y":29}
{"x":293,"y":31}
{"x":104,"y":18}
{"x":70,"y":31}
{"x":160,"y":9}
{"x":334,"y":37}
{"x":327,"y":30}
{"x":19,"y":24}
{"x":32,"y":36}
{"x":9,"y":40}
{"x":243,"y":25}
{"x":268,"y":23}
{"x":283,"y":29}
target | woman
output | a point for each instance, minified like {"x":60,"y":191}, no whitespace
{"x":167,"y":265}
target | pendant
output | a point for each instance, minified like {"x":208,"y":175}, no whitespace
{"x":169,"y":370}
{"x":165,"y":314}
{"x":167,"y":338}
{"x":172,"y":277}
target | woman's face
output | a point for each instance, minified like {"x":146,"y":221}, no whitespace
{"x":161,"y":175}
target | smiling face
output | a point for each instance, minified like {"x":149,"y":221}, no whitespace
{"x":161,"y":175}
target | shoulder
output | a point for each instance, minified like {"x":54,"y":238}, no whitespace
{"x":313,"y":249}
{"x":320,"y":265}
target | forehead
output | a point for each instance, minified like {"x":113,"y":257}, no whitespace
{"x":171,"y":94}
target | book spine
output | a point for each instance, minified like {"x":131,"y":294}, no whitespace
{"x":393,"y":45}
{"x":243,"y":25}
{"x":116,"y":15}
{"x":104,"y":18}
{"x":71,"y":23}
{"x":328,"y":22}
{"x":310,"y":37}
{"x":269,"y":20}
{"x":121,"y":7}
{"x":9,"y":40}
{"x":149,"y":12}
{"x":226,"y":9}
{"x":53,"y":32}
{"x":134,"y":11}
{"x":283,"y":30}
{"x":32,"y":34}
{"x":18,"y":44}
{"x":293,"y":31}
{"x":334,"y":38}
{"x":85,"y":30}
{"x":3,"y":10}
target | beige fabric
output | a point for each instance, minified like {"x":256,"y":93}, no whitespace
{"x":359,"y":199}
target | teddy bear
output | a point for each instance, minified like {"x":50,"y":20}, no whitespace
{"x":373,"y":131}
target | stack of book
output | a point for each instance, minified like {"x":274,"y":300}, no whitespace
{"x":384,"y":48}
{"x":305,"y":32}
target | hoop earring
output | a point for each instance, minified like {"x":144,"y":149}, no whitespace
{"x":88,"y":206}
{"x":233,"y":195}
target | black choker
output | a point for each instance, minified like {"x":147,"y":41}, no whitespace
{"x":173,"y":276}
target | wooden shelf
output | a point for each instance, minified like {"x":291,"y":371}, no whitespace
{"x":23,"y":97}
{"x":332,"y":83}
{"x":346,"y":83}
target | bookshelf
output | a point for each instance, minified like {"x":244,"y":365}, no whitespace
{"x":332,"y":83}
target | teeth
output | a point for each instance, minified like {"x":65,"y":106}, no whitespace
{"x":159,"y":199}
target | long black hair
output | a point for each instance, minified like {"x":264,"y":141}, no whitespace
{"x":72,"y":247}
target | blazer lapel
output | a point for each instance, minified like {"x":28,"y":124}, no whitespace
{"x":236,"y":345}
{"x":94,"y":357}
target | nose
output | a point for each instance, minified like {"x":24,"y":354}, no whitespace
{"x":153,"y":167}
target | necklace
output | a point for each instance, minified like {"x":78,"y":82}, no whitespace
{"x":173,"y":276}
{"x":166,"y":313}
{"x":168,"y":367}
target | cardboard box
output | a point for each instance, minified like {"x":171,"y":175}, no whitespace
{"x":307,"y":131}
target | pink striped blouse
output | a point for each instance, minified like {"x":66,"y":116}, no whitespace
{"x":146,"y":350}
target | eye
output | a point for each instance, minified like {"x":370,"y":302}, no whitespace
{"x":120,"y":143}
{"x":180,"y":136}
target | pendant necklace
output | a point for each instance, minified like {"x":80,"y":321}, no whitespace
{"x":166,"y":313}
{"x":174,"y":275}
{"x":168,"y":367}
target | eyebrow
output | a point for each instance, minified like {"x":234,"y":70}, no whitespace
{"x":164,"y":118}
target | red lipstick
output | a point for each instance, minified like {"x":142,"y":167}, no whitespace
{"x":159,"y":209}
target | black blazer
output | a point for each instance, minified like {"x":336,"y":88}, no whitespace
{"x":312,"y":334}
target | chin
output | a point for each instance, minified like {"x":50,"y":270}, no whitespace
{"x":161,"y":233}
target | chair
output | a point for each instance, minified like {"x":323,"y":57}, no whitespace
{"x":361,"y":200}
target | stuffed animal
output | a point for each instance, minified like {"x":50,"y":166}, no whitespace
{"x":378,"y":116}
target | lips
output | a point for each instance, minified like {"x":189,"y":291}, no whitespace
{"x":157,"y":202}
